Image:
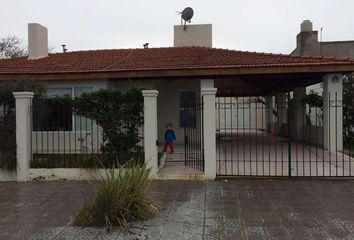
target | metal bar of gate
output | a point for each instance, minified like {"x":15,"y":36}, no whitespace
{"x":289,"y":139}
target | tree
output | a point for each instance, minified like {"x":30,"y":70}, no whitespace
{"x":12,"y":47}
{"x":348,"y":107}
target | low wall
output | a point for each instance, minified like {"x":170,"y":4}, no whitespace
{"x":61,"y":174}
{"x":8,"y":175}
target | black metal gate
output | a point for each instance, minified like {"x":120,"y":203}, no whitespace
{"x":193,"y":134}
{"x":256,"y":141}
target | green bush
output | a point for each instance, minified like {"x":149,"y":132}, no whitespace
{"x":121,"y":198}
{"x":120,"y":115}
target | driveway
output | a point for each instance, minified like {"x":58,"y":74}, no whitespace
{"x":234,"y":209}
{"x":257,"y":153}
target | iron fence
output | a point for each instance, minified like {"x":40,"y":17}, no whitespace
{"x":62,"y":139}
{"x":193,"y":132}
{"x":7,"y":138}
{"x":289,"y":138}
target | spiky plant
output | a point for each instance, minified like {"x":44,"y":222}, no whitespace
{"x":121,"y":198}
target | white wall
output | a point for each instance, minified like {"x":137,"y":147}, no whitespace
{"x":193,"y":35}
{"x":240,"y":113}
{"x":168,"y":104}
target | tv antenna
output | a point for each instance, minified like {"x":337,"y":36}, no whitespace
{"x":186,"y":16}
{"x":64,"y":48}
{"x":321,"y":41}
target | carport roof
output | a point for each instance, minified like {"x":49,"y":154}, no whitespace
{"x":166,"y":62}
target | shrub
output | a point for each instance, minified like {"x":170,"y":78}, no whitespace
{"x":120,"y":115}
{"x":120,"y":199}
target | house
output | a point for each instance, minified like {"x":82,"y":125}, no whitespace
{"x":307,"y":44}
{"x":221,"y":103}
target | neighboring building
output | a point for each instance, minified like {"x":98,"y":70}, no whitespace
{"x":307,"y":44}
{"x":177,"y":77}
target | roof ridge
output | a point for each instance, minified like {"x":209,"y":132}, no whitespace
{"x":209,"y":48}
{"x":196,"y":47}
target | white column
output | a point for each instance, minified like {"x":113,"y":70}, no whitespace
{"x":150,"y":130}
{"x":23,"y":133}
{"x":268,"y":113}
{"x":209,"y":130}
{"x":206,"y":83}
{"x":333,"y":112}
{"x":299,"y":112}
{"x":281,"y":110}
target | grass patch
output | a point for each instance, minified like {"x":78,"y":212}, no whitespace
{"x":121,"y":198}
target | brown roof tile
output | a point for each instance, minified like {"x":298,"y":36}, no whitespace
{"x":181,"y":58}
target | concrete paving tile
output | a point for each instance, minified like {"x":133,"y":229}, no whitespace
{"x":193,"y":229}
{"x":192,"y":237}
{"x":48,"y":233}
{"x":68,"y":233}
{"x":89,"y":233}
{"x":111,"y":235}
{"x":236,"y":209}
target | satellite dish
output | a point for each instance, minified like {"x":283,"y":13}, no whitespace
{"x":187,"y":14}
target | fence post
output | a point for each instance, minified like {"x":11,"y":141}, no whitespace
{"x":269,"y":113}
{"x":281,"y":111}
{"x":150,"y":130}
{"x":333,"y":112}
{"x":209,"y":130}
{"x":299,"y":112}
{"x":23,"y":133}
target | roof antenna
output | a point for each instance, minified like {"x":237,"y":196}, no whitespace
{"x":64,"y":49}
{"x":321,"y":41}
{"x":186,"y":15}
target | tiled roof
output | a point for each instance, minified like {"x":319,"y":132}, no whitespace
{"x":180,"y":58}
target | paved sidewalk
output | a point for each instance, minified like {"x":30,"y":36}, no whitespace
{"x":236,"y":209}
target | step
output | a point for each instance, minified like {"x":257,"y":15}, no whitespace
{"x":179,"y":172}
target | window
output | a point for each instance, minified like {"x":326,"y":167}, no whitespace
{"x":58,"y":92}
{"x":187,"y":112}
{"x":52,"y":115}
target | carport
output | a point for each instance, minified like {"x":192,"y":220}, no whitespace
{"x":265,"y":128}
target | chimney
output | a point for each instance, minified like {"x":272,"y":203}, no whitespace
{"x":37,"y":41}
{"x":307,"y":40}
{"x":193,"y":35}
{"x":306,"y":26}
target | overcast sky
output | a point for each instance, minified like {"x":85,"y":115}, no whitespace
{"x":252,"y":25}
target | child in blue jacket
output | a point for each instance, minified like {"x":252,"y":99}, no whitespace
{"x":169,"y":138}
